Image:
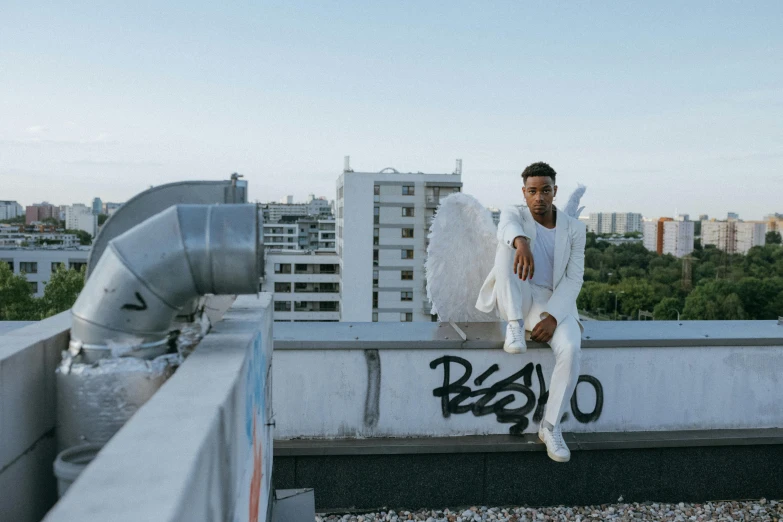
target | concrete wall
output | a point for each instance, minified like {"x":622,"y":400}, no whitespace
{"x":28,"y":358}
{"x":404,"y":382}
{"x":201,"y":448}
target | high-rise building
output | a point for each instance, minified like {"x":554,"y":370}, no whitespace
{"x":274,"y":212}
{"x":683,"y":217}
{"x":40,"y":211}
{"x":306,"y":285}
{"x":614,"y":222}
{"x":667,"y":236}
{"x":732,"y":216}
{"x":10,"y":210}
{"x":774,"y":222}
{"x":703,"y":217}
{"x":382,"y":223}
{"x":80,"y":217}
{"x":97,"y":206}
{"x":733,"y":237}
{"x":111,"y":208}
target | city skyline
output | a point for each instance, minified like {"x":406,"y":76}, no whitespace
{"x":654,"y":107}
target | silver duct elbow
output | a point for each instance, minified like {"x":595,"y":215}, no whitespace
{"x":148,"y":273}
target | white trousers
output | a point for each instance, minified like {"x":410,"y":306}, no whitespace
{"x":519,"y":300}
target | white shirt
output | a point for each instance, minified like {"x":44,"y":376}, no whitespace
{"x":544,"y":257}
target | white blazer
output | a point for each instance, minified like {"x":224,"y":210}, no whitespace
{"x":569,"y":258}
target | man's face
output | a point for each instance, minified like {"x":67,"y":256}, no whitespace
{"x":539,"y":192}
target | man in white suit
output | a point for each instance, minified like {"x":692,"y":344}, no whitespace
{"x":534,"y":284}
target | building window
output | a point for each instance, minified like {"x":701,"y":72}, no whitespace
{"x":376,"y":190}
{"x":10,"y":264}
{"x":282,"y":268}
{"x":406,"y":275}
{"x":406,"y":317}
{"x":283,"y":287}
{"x":407,"y":232}
{"x":375,"y":299}
{"x":56,"y":266}
{"x":407,"y":254}
{"x":406,"y":296}
{"x":375,"y":257}
{"x":282,"y":306}
{"x":407,"y":211}
{"x":376,"y":218}
{"x":33,"y":286}
{"x":376,"y":236}
{"x":301,"y":269}
{"x":77,"y":265}
{"x":375,"y":278}
{"x":407,"y":190}
{"x":375,"y":317}
{"x":28,"y":267}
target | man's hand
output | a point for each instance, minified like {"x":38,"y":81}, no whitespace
{"x":544,"y":330}
{"x":523,"y":259}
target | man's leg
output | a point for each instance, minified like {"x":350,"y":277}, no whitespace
{"x":513,"y":299}
{"x":513,"y":294}
{"x":567,"y":345}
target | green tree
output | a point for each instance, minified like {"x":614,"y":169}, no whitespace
{"x":61,"y":291}
{"x":102,"y":219}
{"x":16,"y":297}
{"x":84,"y":237}
{"x":667,"y":308}
{"x":773,"y":238}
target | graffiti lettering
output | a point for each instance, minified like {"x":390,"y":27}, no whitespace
{"x":455,"y":395}
{"x":136,"y":307}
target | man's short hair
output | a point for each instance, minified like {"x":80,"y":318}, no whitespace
{"x":538,"y":169}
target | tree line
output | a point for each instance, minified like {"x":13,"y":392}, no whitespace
{"x":709,"y":285}
{"x":18,"y":303}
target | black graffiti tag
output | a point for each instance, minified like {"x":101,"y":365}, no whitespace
{"x":484,"y":405}
{"x":136,"y":307}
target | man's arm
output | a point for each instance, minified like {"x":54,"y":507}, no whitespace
{"x":510,"y":227}
{"x":564,"y":296}
{"x":512,"y":234}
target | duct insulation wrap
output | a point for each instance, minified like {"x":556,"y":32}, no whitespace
{"x":95,"y":400}
{"x":150,"y":272}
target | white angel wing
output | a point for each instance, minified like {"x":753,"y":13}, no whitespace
{"x":572,"y":208}
{"x":461,"y":253}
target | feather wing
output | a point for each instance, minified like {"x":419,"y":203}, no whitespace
{"x":460,"y":255}
{"x":572,"y":208}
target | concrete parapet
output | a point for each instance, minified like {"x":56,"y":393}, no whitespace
{"x":28,"y":358}
{"x":201,"y":448}
{"x":342,"y":380}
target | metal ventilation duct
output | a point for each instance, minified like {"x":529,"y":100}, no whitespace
{"x":148,"y":273}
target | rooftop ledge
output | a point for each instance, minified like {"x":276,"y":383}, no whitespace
{"x":477,"y":336}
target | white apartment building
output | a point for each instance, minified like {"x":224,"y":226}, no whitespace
{"x":666,"y":236}
{"x":614,"y":222}
{"x":650,"y":234}
{"x":38,"y":263}
{"x":16,"y":238}
{"x":304,"y":234}
{"x":750,"y":234}
{"x":678,"y":237}
{"x":382,"y":223}
{"x":10,"y":210}
{"x":306,"y":285}
{"x":275,"y":212}
{"x":80,"y":217}
{"x":733,"y":237}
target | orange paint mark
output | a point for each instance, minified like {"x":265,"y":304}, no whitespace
{"x":258,"y":473}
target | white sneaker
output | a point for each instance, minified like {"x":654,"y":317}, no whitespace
{"x":555,"y":445}
{"x":515,"y":338}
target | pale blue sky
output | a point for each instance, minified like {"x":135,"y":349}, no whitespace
{"x":656,"y":106}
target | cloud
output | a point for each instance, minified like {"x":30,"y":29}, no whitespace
{"x":36,"y":129}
